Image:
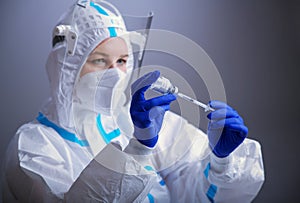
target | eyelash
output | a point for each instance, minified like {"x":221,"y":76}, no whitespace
{"x":102,"y":60}
{"x":122,"y":60}
{"x":96,"y":61}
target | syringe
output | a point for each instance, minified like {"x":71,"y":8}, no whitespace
{"x":164,"y":86}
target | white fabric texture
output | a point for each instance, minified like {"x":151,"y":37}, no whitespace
{"x":43,"y":165}
{"x":238,"y":178}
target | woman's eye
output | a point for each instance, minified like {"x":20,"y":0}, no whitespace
{"x":99,"y":62}
{"x":121,"y":61}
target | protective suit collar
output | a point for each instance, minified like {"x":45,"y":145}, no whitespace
{"x":104,"y":136}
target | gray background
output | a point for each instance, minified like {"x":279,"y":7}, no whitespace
{"x":254,"y":44}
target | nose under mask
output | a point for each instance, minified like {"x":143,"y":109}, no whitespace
{"x":95,"y":90}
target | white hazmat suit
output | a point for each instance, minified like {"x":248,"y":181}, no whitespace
{"x":76,"y":152}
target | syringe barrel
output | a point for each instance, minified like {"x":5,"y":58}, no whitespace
{"x":164,"y":86}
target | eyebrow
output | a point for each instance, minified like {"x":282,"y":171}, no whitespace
{"x":124,"y":55}
{"x":106,"y":55}
{"x":99,"y":53}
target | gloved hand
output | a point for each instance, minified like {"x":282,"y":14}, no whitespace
{"x":147,"y":115}
{"x":226,"y":129}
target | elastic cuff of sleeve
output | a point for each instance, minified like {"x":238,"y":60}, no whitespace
{"x":145,"y":133}
{"x":150,"y":142}
{"x":223,"y":160}
{"x":219,"y":164}
{"x":136,"y":148}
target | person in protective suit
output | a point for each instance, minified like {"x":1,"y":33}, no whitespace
{"x":87,"y":146}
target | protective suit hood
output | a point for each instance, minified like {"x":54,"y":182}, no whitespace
{"x":82,"y":28}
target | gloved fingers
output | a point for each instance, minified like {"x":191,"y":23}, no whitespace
{"x":139,"y":114}
{"x":145,"y":80}
{"x":213,"y":125}
{"x":166,"y":107}
{"x":139,"y":95}
{"x":240,"y":129}
{"x":218,"y":104}
{"x":159,"y":101}
{"x":140,"y":119}
{"x":222,"y":113}
{"x":163,"y":101}
{"x":158,"y":111}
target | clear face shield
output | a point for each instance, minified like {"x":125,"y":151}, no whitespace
{"x":98,"y":110}
{"x":101,"y":97}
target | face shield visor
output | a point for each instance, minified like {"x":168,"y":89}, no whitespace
{"x":101,"y":94}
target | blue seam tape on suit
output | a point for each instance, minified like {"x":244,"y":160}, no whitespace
{"x":62,"y":132}
{"x":107,"y":137}
{"x":112,"y":30}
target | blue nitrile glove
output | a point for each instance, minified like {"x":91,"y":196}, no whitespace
{"x":226,"y":129}
{"x":147,"y":115}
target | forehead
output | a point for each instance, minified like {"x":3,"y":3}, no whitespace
{"x":112,"y":46}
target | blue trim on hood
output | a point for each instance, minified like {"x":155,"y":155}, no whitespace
{"x":112,"y":30}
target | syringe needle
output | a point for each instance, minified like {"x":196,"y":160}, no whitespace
{"x":204,"y":106}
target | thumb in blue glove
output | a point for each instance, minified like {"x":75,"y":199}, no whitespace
{"x":147,"y":115}
{"x":226,"y":129}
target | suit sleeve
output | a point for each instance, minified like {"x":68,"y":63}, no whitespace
{"x":203,"y":177}
{"x":113,"y":175}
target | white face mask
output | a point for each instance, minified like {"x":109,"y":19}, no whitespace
{"x":94,"y":91}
